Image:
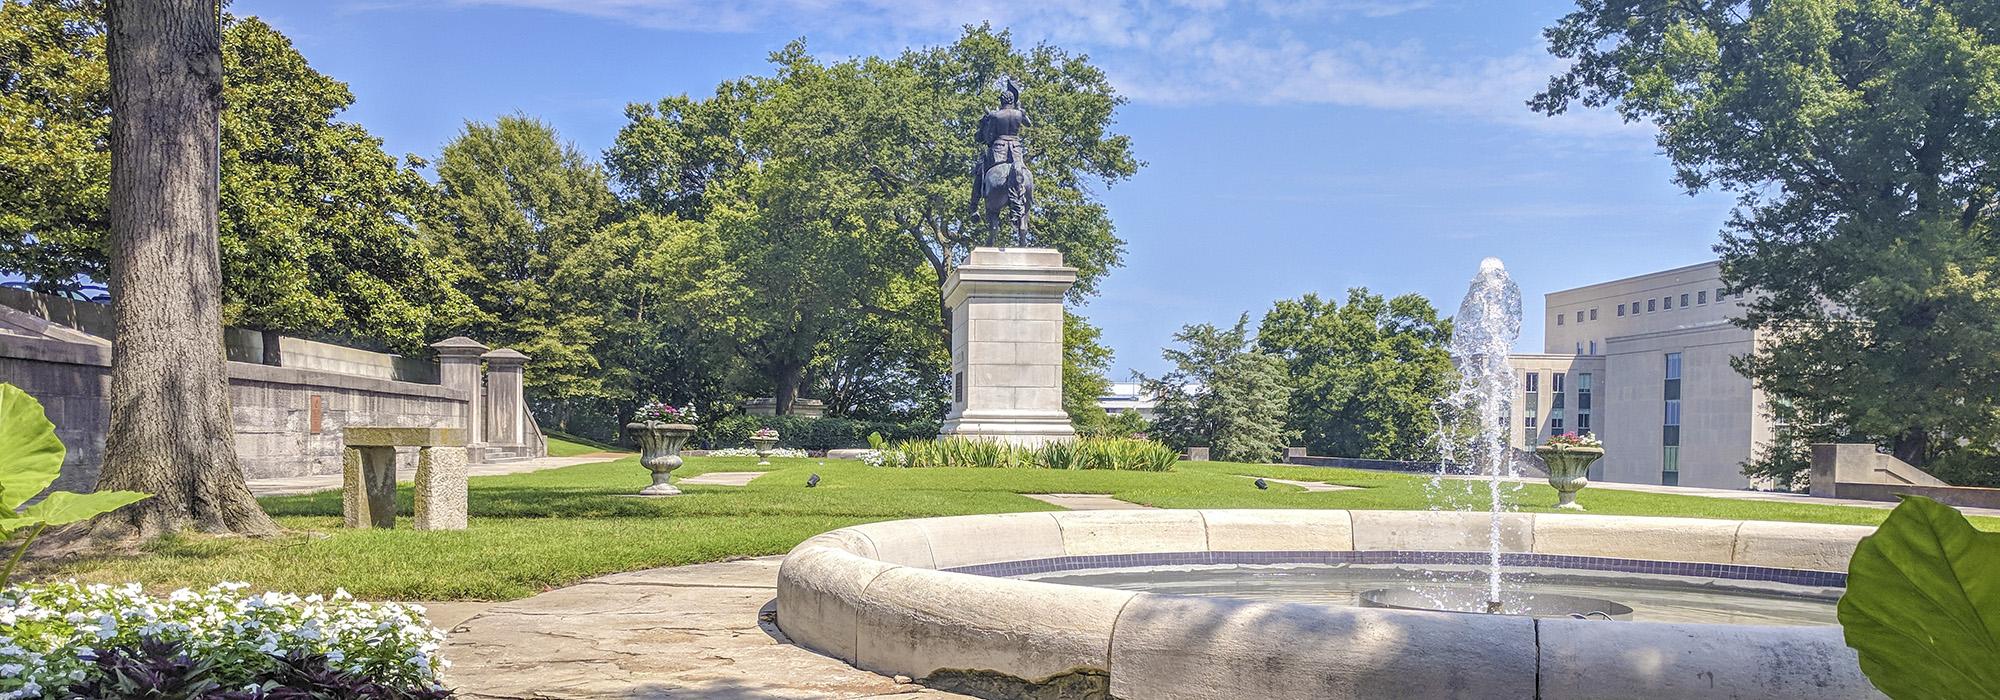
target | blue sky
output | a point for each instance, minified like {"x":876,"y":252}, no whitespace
{"x":1292,"y":146}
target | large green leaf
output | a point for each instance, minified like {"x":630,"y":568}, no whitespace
{"x":63,"y":507}
{"x":30,"y":454}
{"x":1923,"y":604}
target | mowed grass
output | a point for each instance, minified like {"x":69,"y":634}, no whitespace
{"x":562,"y":447}
{"x":531,"y":532}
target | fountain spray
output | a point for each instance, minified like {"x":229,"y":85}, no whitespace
{"x":1473,"y":420}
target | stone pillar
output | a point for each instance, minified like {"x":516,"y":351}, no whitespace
{"x":1006,"y":346}
{"x":505,"y":404}
{"x":441,"y":488}
{"x":458,"y":369}
{"x":368,"y":487}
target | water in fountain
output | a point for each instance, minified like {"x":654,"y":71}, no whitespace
{"x":1473,"y":420}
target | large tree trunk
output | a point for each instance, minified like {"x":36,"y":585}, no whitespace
{"x":790,"y":378}
{"x":170,"y":432}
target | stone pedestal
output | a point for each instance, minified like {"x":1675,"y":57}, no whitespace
{"x":459,"y":370}
{"x":442,"y":490}
{"x":368,"y":483}
{"x":1006,"y":346}
{"x":368,"y":487}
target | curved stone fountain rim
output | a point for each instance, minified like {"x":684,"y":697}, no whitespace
{"x":885,"y":597}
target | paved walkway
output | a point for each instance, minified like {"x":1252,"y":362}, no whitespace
{"x":294,"y":485}
{"x":1309,"y":486}
{"x":1085,"y":501}
{"x":701,"y":631}
{"x":722,"y":478}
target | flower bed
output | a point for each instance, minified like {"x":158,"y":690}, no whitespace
{"x":62,"y":640}
{"x":1086,"y":453}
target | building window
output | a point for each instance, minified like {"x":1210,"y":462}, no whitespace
{"x":1579,"y":316}
{"x":1579,"y":347}
{"x":1652,"y":304}
{"x":1621,"y":309}
{"x":1593,"y":347}
{"x":1684,"y":301}
{"x":1583,"y":388}
{"x":1667,"y":303}
{"x":1720,"y":293}
{"x":1560,"y":318}
{"x":1556,"y":384}
{"x":1555,"y":421}
{"x":1534,"y":383}
{"x":1593,"y":314}
{"x":1582,"y":422}
{"x":1670,"y":430}
{"x":1701,"y":297}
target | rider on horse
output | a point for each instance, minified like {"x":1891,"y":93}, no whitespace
{"x":1000,"y":132}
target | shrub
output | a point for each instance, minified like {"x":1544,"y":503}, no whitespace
{"x":59,"y":636}
{"x":1088,"y":453}
{"x":803,"y":433}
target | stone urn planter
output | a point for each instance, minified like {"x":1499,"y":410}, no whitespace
{"x":762,"y":441}
{"x":660,"y":450}
{"x":1569,"y":469}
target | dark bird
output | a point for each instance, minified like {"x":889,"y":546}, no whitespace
{"x":812,"y":481}
{"x":1261,"y":485}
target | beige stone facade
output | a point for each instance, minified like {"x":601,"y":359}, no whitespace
{"x":1647,"y":358}
{"x":1006,"y":345}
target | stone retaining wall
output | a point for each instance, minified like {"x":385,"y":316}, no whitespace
{"x":288,"y":420}
{"x":876,"y":597}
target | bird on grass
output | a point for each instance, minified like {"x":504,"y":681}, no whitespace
{"x":1261,"y":485}
{"x":812,"y":481}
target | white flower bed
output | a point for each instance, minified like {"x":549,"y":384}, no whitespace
{"x":748,"y":452}
{"x":51,"y":633}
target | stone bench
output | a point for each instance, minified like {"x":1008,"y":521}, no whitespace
{"x":368,"y":483}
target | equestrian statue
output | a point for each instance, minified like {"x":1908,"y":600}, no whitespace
{"x":1001,"y":180}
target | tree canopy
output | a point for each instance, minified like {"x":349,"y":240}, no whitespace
{"x":1860,"y":137}
{"x":1365,"y":376}
{"x":318,"y":224}
{"x":1222,"y":393}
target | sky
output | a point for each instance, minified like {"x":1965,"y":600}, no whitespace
{"x":1290,"y":146}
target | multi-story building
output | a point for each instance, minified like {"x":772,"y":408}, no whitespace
{"x":1643,"y":363}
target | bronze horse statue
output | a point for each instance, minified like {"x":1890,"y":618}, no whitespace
{"x":1001,"y":181}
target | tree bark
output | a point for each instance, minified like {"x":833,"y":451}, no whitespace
{"x":171,"y":429}
{"x":789,"y":380}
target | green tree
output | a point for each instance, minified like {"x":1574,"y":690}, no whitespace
{"x":1085,"y":360}
{"x":55,"y":121}
{"x":317,"y":228}
{"x":1861,"y":138}
{"x":1366,"y":376}
{"x":1222,"y":393}
{"x":893,"y":138}
{"x":516,"y":203}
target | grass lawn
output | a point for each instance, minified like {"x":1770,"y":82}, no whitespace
{"x":535,"y":531}
{"x":568,"y":447}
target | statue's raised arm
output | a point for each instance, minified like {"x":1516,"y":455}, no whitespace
{"x":1001,"y":181}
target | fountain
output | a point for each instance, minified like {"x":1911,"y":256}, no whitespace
{"x":1310,"y":603}
{"x":1472,"y":439}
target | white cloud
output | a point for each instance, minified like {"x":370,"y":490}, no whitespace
{"x":1171,"y":51}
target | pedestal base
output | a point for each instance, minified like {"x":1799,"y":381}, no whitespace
{"x":1013,"y":429}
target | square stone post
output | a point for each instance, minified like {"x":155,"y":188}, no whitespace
{"x":1006,"y":346}
{"x":368,"y":486}
{"x":442,"y":492}
{"x":458,"y":369}
{"x":505,"y":403}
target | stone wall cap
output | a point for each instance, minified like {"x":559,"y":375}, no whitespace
{"x":390,"y":436}
{"x":459,"y":345}
{"x":505,"y":356}
{"x":1014,"y":257}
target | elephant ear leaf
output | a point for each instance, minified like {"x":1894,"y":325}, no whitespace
{"x":1923,"y":604}
{"x":63,"y":507}
{"x":30,"y":454}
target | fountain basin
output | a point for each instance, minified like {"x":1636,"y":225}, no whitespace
{"x":1465,"y":600}
{"x":928,"y":599}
